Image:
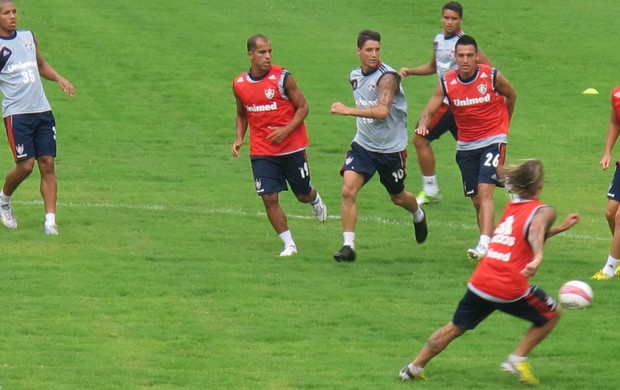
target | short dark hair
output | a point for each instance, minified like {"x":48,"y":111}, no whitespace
{"x":251,"y":45}
{"x":454,"y":6}
{"x":465,"y":40}
{"x":367,"y":35}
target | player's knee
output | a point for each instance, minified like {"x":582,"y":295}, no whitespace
{"x":420,"y":142}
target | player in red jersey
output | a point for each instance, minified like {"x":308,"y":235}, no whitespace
{"x":482,"y":101}
{"x":272,"y":105}
{"x":612,"y":213}
{"x":501,"y":280}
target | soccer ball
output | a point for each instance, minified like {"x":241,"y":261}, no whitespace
{"x":576,"y":295}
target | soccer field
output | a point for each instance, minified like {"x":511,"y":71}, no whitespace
{"x":165,"y":274}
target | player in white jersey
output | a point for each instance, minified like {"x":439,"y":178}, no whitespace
{"x":380,"y":142}
{"x":441,"y":62}
{"x":30,"y":125}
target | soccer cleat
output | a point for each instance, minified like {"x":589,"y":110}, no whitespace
{"x":600,"y":275}
{"x":477,"y":253}
{"x":7,"y":216}
{"x":320,"y":210}
{"x":346,"y":254}
{"x":426,"y":198}
{"x":617,"y":272}
{"x":50,"y":230}
{"x":412,"y":373}
{"x":523,"y":370}
{"x":289,"y":251}
{"x":421,"y":230}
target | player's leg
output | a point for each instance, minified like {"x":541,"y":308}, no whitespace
{"x":612,"y":214}
{"x":298,"y":177}
{"x":541,"y":310}
{"x":45,"y":149}
{"x":392,"y":173}
{"x":20,"y":130}
{"x":269,"y":181}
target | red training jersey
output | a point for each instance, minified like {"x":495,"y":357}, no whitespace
{"x":498,"y":276}
{"x":479,"y":110}
{"x":266,"y":105}
{"x":615,"y":101}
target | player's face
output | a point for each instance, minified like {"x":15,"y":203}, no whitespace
{"x":8,"y":18}
{"x":369,"y":55}
{"x":261,"y":56}
{"x":466,"y":57}
{"x":450,"y":22}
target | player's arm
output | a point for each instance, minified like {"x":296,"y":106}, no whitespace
{"x":505,"y":89}
{"x":298,"y":100}
{"x":431,"y":107}
{"x":422,"y":70}
{"x":46,"y":71}
{"x":387,"y":87}
{"x":241,"y":125}
{"x":483,"y":59}
{"x":613,"y":130}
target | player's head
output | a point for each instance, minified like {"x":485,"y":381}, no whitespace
{"x":466,"y":55}
{"x":8,"y":17}
{"x":368,"y":49}
{"x":526,"y":179}
{"x":259,"y":52}
{"x":451,"y":18}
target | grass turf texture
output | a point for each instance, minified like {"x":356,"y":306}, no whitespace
{"x":166,"y":273}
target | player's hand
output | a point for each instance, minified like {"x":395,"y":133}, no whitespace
{"x":531,"y":267}
{"x":338,"y":109}
{"x":570,"y":221}
{"x":235,"y":148}
{"x":279,"y":134}
{"x":605,"y":161}
{"x":421,"y":130}
{"x":66,"y":86}
{"x":402,"y":72}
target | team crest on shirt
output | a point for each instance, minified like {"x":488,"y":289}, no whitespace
{"x":482,"y":88}
{"x":270,"y":92}
{"x":372,"y":87}
{"x":28,"y":46}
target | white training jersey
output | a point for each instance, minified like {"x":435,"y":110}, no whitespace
{"x":444,"y":52}
{"x":387,"y":135}
{"x":20,"y":81}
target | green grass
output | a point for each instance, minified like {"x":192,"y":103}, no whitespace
{"x":166,"y":273}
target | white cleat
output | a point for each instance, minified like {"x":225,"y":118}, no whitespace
{"x":477,"y":253}
{"x":289,"y":251}
{"x":7,"y":216}
{"x":50,"y":230}
{"x":320,"y":211}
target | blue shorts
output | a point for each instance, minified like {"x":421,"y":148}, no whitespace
{"x":614,"y":188}
{"x":271,"y":173}
{"x":480,"y":166}
{"x":391,"y":167}
{"x":536,"y":307}
{"x":441,"y":123}
{"x":31,"y":135}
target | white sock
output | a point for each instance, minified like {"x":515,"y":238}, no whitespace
{"x":516,"y":359}
{"x":349,"y":239}
{"x":287,"y":238}
{"x":485,"y":240}
{"x":429,"y":185}
{"x":418,"y":215}
{"x":50,"y":219}
{"x":610,"y":266}
{"x":317,"y":199}
{"x":4,"y":199}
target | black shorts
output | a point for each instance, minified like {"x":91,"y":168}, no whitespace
{"x":536,"y":307}
{"x":480,"y":166}
{"x":271,"y":173}
{"x":391,"y":167}
{"x":442,"y":122}
{"x":31,"y":135}
{"x":614,"y":188}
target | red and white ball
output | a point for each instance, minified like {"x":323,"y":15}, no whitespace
{"x":575,"y":295}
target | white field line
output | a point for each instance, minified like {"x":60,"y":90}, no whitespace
{"x":238,"y":212}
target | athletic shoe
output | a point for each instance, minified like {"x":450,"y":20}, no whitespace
{"x":617,"y":272}
{"x":346,"y":254}
{"x":421,"y":230}
{"x":289,"y":251}
{"x":426,"y":198}
{"x":8,"y":218}
{"x":320,"y":211}
{"x":477,"y":253}
{"x":412,"y":373}
{"x":50,"y":230}
{"x":523,"y":370}
{"x":600,"y":275}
